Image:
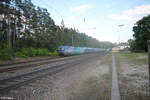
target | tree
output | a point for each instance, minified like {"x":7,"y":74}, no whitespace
{"x":141,"y":33}
{"x":33,"y":26}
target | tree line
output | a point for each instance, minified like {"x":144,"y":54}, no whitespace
{"x":23,"y":25}
{"x":141,"y":35}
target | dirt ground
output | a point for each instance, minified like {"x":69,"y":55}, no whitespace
{"x":86,"y":81}
{"x":133,"y":75}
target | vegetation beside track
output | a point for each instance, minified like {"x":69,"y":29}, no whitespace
{"x":30,"y":28}
{"x":141,"y":35}
{"x":132,"y":71}
{"x":134,"y":57}
{"x":26,"y":52}
{"x":32,"y":52}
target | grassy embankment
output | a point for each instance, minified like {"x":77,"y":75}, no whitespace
{"x":133,"y":75}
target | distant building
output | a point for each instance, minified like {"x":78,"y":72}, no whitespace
{"x":115,"y":49}
{"x":121,"y":46}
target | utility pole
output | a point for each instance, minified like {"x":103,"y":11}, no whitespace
{"x":118,"y":38}
{"x":72,"y":40}
{"x":119,"y":33}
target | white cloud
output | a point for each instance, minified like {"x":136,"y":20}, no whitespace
{"x":71,"y":18}
{"x":132,"y":14}
{"x":81,"y":7}
{"x":124,"y":17}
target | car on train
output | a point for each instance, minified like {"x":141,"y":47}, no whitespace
{"x":70,"y":50}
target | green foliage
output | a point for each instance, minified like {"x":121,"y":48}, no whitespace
{"x":141,"y":34}
{"x":38,"y":30}
{"x":20,"y":54}
{"x":132,"y":45}
{"x":55,"y":53}
{"x":32,"y":52}
{"x":43,"y":52}
{"x":134,"y":57}
{"x":4,"y":52}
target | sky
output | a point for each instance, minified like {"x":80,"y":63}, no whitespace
{"x":98,"y":18}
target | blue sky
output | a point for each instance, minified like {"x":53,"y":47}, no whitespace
{"x":102,"y":17}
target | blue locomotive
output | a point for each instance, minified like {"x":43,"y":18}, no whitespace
{"x":70,"y":50}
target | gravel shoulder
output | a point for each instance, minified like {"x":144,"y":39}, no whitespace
{"x":34,"y":67}
{"x":86,"y":81}
{"x":133,"y":75}
{"x":21,"y":60}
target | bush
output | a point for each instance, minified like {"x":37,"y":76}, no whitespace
{"x":27,"y":52}
{"x":32,"y":52}
{"x":20,"y":54}
{"x":43,"y":52}
{"x":4,"y":52}
{"x":55,"y":53}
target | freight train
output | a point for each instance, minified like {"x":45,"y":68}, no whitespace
{"x":70,"y":50}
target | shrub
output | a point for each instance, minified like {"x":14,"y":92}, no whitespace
{"x":20,"y":54}
{"x":43,"y":52}
{"x":32,"y":52}
{"x":55,"y":53}
{"x":4,"y":52}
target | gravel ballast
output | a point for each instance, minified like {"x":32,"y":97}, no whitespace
{"x":87,"y":80}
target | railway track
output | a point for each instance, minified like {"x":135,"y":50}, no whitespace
{"x":19,"y":80}
{"x":22,"y":62}
{"x":18,"y":66}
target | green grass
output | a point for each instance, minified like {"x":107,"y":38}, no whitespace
{"x":127,"y":86}
{"x":134,"y":57}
